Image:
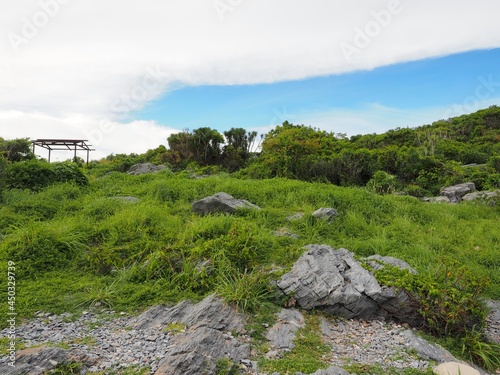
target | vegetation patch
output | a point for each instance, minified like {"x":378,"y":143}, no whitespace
{"x":309,"y":354}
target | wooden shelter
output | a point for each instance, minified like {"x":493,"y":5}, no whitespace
{"x":63,"y":145}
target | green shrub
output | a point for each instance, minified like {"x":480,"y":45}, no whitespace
{"x":415,"y":191}
{"x":42,"y":247}
{"x":33,"y":175}
{"x":69,"y":172}
{"x":474,"y":348}
{"x":449,"y":301}
{"x":494,"y":162}
{"x":382,"y":183}
{"x":36,"y":175}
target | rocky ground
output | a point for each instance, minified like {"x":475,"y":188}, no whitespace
{"x":107,"y":341}
{"x":195,"y":338}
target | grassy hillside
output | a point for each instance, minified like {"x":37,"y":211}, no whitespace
{"x":75,"y":244}
{"x":78,"y":246}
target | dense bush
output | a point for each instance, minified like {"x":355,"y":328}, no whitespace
{"x":3,"y":169}
{"x":382,"y":183}
{"x":33,"y":175}
{"x":43,"y":247}
{"x":36,"y":175}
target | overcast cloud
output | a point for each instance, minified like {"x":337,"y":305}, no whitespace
{"x":76,"y":68}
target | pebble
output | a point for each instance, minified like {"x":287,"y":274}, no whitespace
{"x":368,"y":343}
{"x":111,"y":342}
{"x":110,"y":339}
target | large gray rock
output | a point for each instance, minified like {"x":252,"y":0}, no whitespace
{"x":142,"y":168}
{"x":41,"y":360}
{"x":333,"y":281}
{"x":221,"y":202}
{"x":486,"y":196}
{"x":207,"y":337}
{"x":456,"y":192}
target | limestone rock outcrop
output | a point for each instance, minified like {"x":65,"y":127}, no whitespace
{"x":334,"y":281}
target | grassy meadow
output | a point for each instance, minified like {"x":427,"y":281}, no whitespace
{"x":79,"y":247}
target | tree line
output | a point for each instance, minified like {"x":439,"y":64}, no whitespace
{"x":418,"y":160}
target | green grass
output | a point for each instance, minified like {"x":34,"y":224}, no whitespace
{"x":76,"y":247}
{"x":309,"y":354}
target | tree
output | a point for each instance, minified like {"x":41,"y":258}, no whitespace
{"x":239,"y":144}
{"x":206,"y":145}
{"x":180,"y":143}
{"x":16,"y":150}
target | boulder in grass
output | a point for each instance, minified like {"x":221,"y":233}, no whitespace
{"x":221,"y":202}
{"x":325,"y":213}
{"x":486,"y":196}
{"x":334,"y":281}
{"x":145,"y":168}
{"x":455,"y":193}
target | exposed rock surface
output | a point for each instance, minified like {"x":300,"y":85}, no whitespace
{"x":456,"y":192}
{"x":221,"y":202}
{"x":202,"y":333}
{"x":282,"y":333}
{"x":426,"y":349}
{"x":378,"y":261}
{"x":325,"y":213}
{"x":454,"y":368}
{"x":487,"y":196}
{"x":369,"y":343}
{"x":332,"y":280}
{"x":142,"y":168}
{"x":40,"y":360}
{"x":206,"y":339}
{"x":493,"y":321}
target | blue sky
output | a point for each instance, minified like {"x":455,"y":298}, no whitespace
{"x":428,"y":83}
{"x":141,"y":71}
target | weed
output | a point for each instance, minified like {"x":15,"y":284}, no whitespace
{"x":247,"y":291}
{"x":174,"y":328}
{"x":309,"y":354}
{"x":225,"y":366}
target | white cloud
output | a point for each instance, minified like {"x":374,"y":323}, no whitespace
{"x":78,"y":61}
